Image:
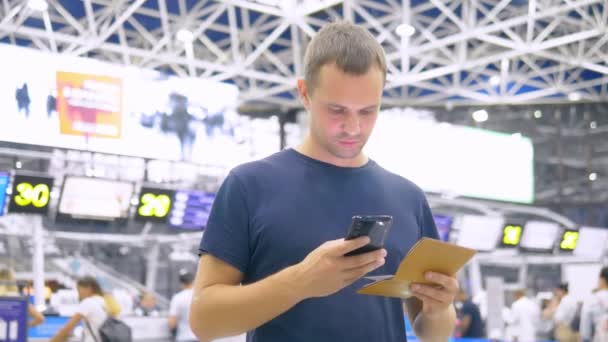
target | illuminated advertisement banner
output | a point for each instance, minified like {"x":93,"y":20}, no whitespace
{"x":84,"y":104}
{"x":454,"y":160}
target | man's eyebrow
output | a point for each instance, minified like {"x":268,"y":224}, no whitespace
{"x":374,"y":106}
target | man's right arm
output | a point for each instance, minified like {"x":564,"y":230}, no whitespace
{"x":222,"y":307}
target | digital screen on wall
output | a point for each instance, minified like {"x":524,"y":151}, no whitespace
{"x":30,"y":194}
{"x":191,"y":209}
{"x":592,"y":242}
{"x":479,"y":232}
{"x":511,"y":235}
{"x":95,"y":198}
{"x":4,"y":180}
{"x":569,"y":240}
{"x":455,"y":160}
{"x":540,"y":236}
{"x":154,"y":205}
{"x":444,"y":226}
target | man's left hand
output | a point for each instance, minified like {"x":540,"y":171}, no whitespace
{"x":437,"y":297}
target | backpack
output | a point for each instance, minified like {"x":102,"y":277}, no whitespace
{"x":112,"y":330}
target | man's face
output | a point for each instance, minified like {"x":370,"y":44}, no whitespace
{"x":343,"y":110}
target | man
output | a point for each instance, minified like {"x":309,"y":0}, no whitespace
{"x":594,"y":316}
{"x":564,"y":314}
{"x":147,"y":306}
{"x":179,"y":309}
{"x":273,"y":261}
{"x":525,"y":317}
{"x":471,"y":325}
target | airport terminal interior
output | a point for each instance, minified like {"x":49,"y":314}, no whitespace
{"x":121,"y":119}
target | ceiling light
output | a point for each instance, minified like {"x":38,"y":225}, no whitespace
{"x":538,"y":114}
{"x":38,"y":5}
{"x":593,"y":176}
{"x":495,"y":80}
{"x":480,"y":115}
{"x":405,"y":30}
{"x":18,"y":164}
{"x":593,"y":124}
{"x":575,"y":96}
{"x":516,"y":135}
{"x":185,"y":36}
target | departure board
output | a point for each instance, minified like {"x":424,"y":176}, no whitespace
{"x":191,"y":209}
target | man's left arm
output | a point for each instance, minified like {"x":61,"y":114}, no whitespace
{"x":431,"y":310}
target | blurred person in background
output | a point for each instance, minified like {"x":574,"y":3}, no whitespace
{"x":92,"y":312}
{"x":594,"y":316}
{"x":525,"y":317}
{"x":563,"y":312}
{"x":8,"y":288}
{"x":179,"y":310}
{"x":471,"y":325}
{"x":545,"y":327}
{"x":147,"y":306}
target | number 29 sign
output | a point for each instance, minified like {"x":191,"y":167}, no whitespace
{"x":31,"y":194}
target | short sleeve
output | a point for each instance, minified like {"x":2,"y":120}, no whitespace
{"x":173,"y":307}
{"x":86,"y":307}
{"x":226,"y":236}
{"x":426,"y":220}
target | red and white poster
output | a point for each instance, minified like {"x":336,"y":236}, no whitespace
{"x":89,"y":105}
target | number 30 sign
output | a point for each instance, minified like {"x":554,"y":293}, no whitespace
{"x":31,"y":194}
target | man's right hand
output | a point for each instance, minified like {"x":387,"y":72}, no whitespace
{"x":326,"y":270}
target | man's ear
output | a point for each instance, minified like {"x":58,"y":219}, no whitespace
{"x":303,"y":93}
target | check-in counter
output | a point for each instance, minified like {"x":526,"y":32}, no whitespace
{"x":143,"y":328}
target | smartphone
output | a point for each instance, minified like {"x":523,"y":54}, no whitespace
{"x":374,"y":226}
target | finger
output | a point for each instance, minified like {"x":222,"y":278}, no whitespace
{"x":342,"y":246}
{"x":438,"y":294}
{"x":449,"y":283}
{"x":356,"y":261}
{"x":428,"y":301}
{"x":352,"y":275}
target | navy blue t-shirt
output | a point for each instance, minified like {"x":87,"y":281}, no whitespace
{"x":270,"y":214}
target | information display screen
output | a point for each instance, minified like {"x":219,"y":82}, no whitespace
{"x":480,"y":232}
{"x":444,"y":226}
{"x":511,"y":235}
{"x":31,"y":194}
{"x":592,"y":242}
{"x":4,"y":179}
{"x":540,"y":236}
{"x":13,"y":319}
{"x":191,"y":209}
{"x":154,"y":205}
{"x":95,"y":198}
{"x":569,"y":240}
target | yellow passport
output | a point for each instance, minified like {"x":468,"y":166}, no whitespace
{"x":426,"y":255}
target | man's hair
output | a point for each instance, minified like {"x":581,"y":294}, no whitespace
{"x":604,"y":274}
{"x":186,"y":277}
{"x":352,"y":48}
{"x":563,"y":287}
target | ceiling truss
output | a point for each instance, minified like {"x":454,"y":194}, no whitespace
{"x":463,"y":51}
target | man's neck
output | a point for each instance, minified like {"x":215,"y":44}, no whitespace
{"x":313,"y":150}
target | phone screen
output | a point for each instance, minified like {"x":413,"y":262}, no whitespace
{"x":374,"y":226}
